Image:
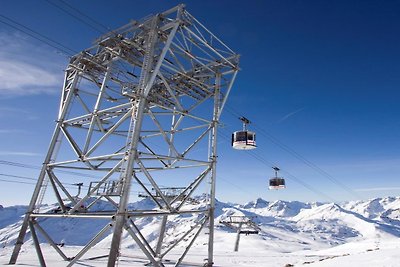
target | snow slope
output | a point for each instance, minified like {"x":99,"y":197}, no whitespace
{"x":356,"y":233}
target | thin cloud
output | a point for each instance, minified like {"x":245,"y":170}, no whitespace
{"x":290,"y":115}
{"x":24,"y":78}
{"x":27,"y":68}
{"x":11,"y":131}
{"x":22,"y":153}
{"x":15,"y":112}
{"x":373,"y":189}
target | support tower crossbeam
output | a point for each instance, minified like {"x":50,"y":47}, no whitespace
{"x":139,"y":111}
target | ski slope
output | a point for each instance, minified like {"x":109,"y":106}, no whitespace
{"x":357,"y":233}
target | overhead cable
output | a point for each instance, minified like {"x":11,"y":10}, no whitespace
{"x":58,"y":6}
{"x":36,"y":35}
{"x":297,"y":155}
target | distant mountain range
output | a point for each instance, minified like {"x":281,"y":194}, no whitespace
{"x":283,"y":226}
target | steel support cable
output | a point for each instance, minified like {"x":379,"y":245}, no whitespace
{"x":291,"y":176}
{"x":30,"y":178}
{"x":307,"y":162}
{"x":104,"y":29}
{"x":33,"y":179}
{"x":299,"y":181}
{"x":237,"y":186}
{"x":270,"y":164}
{"x":22,"y":182}
{"x":86,"y":24}
{"x":49,"y":42}
{"x":298,"y":156}
{"x":69,"y":187}
{"x":16,"y":182}
{"x":84,"y":15}
{"x":21,"y":165}
{"x":229,"y":109}
{"x":36,"y":35}
{"x":73,"y":15}
{"x":40,"y":37}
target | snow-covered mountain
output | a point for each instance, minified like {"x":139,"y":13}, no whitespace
{"x":283,"y":226}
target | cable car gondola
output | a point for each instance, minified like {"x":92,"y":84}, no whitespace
{"x":244,"y":139}
{"x":276,"y":182}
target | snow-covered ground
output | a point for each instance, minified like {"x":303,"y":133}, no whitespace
{"x":359,"y":233}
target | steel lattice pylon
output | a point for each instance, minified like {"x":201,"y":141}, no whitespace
{"x":138,"y":109}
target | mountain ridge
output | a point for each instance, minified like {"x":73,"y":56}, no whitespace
{"x":282,"y":224}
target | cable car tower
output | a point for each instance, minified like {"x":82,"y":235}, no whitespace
{"x":139,"y":111}
{"x":276,"y":182}
{"x":242,"y":224}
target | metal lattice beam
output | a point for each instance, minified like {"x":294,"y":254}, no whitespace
{"x":135,"y":111}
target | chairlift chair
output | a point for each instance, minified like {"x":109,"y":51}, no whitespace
{"x":244,"y":140}
{"x":276,"y":182}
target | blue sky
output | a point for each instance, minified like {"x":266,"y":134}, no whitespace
{"x":321,"y":77}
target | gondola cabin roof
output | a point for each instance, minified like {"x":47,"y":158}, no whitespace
{"x":244,"y":140}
